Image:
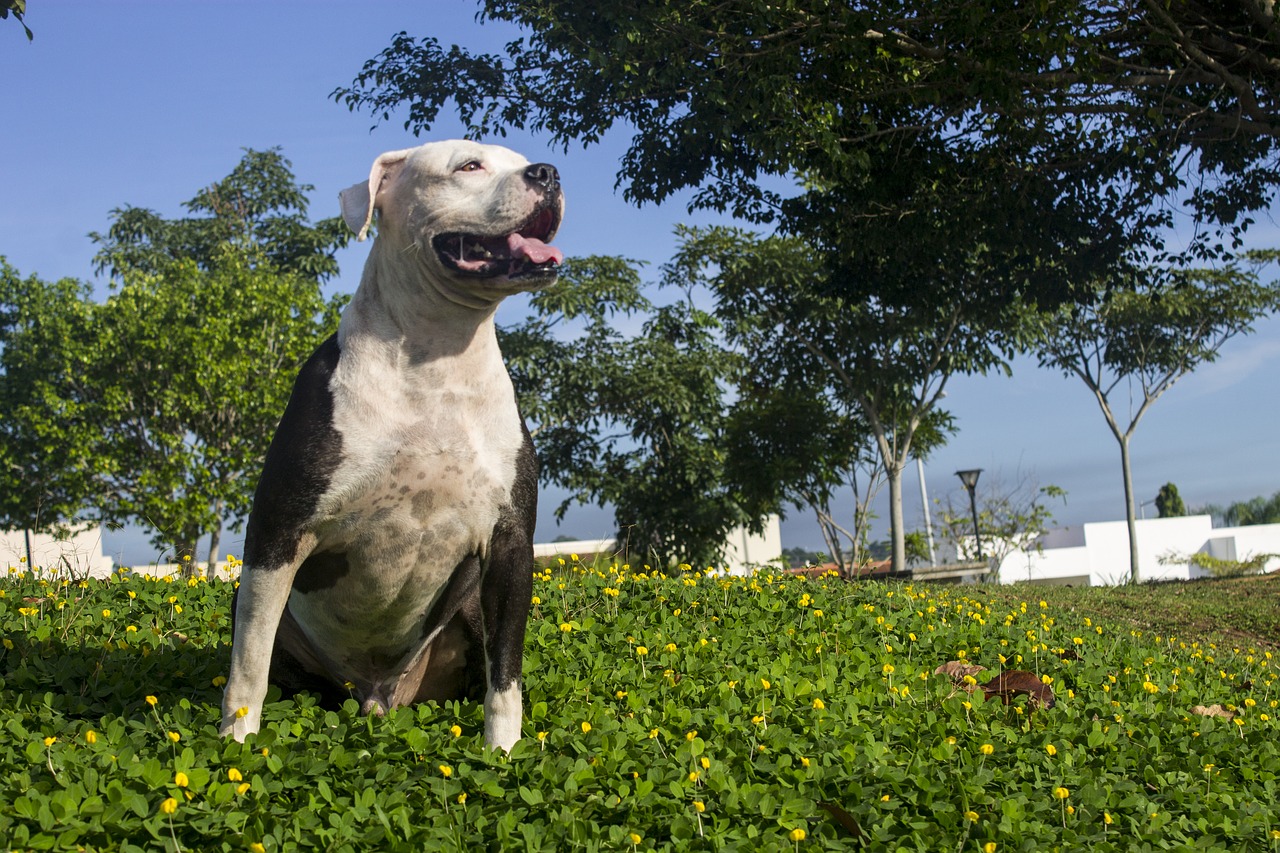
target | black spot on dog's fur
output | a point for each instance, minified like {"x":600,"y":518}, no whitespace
{"x":303,"y":455}
{"x":321,"y":571}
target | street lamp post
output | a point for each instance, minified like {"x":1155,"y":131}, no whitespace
{"x":970,"y":480}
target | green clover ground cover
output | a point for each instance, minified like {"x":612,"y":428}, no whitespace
{"x":690,"y":712}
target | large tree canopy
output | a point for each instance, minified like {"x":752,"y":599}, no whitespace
{"x":1080,"y":120}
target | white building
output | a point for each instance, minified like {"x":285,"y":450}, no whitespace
{"x":1097,"y":553}
{"x":77,"y":553}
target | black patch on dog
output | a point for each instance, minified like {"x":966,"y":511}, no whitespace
{"x":507,"y":587}
{"x":321,"y":571}
{"x":303,"y":455}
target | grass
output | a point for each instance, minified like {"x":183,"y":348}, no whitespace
{"x":683,"y":712}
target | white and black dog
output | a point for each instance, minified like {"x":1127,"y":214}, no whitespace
{"x":390,"y":542}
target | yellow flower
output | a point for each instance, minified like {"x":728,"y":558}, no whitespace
{"x":91,"y":736}
{"x":242,"y":712}
{"x":234,"y":775}
{"x":106,"y":614}
{"x":462,"y":798}
{"x":219,"y":680}
{"x":804,"y":762}
{"x":817,"y":614}
{"x":635,"y":838}
{"x":242,"y":787}
{"x":1106,"y":818}
{"x":1051,"y":749}
{"x":257,"y":847}
{"x":671,"y":647}
{"x":180,"y":779}
{"x":169,"y":806}
{"x":445,"y":770}
{"x":1061,"y":793}
{"x":693,"y":775}
{"x":797,"y":835}
{"x":989,"y":847}
{"x":455,"y":730}
{"x":818,"y":705}
{"x":586,"y":727}
{"x":971,"y":816}
{"x":764,"y":682}
{"x":642,"y":651}
{"x":986,"y":749}
{"x":50,"y":741}
{"x":1149,"y":687}
{"x":566,"y":627}
{"x":887,"y":669}
{"x":699,"y":806}
{"x":706,"y":763}
{"x":151,"y":700}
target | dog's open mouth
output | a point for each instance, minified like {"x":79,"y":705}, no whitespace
{"x":522,"y":253}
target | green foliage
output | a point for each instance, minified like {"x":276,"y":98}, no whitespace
{"x":1057,"y":137}
{"x":1259,"y":510}
{"x":50,"y":446}
{"x":636,"y":422}
{"x":1220,"y":567}
{"x":1169,"y":503}
{"x":259,"y":208}
{"x":759,"y":706}
{"x":17,"y":8}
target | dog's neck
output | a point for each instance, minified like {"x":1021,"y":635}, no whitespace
{"x":400,"y":306}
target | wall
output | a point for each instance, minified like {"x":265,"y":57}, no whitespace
{"x":77,"y":553}
{"x":1099,"y":551}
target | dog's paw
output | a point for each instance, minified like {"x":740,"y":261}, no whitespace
{"x":502,"y":713}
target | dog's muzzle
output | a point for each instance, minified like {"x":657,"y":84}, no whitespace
{"x":522,"y":254}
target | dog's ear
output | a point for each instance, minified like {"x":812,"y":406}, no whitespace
{"x":359,"y":201}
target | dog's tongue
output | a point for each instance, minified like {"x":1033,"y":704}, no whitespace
{"x":534,"y":249}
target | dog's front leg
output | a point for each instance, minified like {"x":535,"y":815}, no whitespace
{"x":262,"y":597}
{"x":506,"y":589}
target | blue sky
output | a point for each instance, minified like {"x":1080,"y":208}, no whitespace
{"x":143,"y":102}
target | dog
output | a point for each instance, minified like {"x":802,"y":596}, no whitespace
{"x":389,"y":550}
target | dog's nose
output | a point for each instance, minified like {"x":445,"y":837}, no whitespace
{"x":544,"y":176}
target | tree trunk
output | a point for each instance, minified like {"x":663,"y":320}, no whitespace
{"x":215,"y":541}
{"x":1129,"y":510}
{"x":893,"y":472}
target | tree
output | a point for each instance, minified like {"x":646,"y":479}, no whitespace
{"x":1059,"y":135}
{"x":259,"y":207}
{"x":1169,"y":503}
{"x":635,"y":422}
{"x":883,"y":362}
{"x":1011,"y":517}
{"x":49,"y":446}
{"x":17,"y":8}
{"x":189,"y":397}
{"x":1259,"y":510}
{"x":158,"y":405}
{"x":1141,"y":339}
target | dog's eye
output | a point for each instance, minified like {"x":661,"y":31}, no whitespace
{"x":470,"y":166}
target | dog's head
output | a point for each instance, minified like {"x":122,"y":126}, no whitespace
{"x":479,"y":217}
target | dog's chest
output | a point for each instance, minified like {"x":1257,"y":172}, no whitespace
{"x":429,"y":461}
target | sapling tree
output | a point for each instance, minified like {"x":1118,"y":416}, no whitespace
{"x":1135,"y":342}
{"x":1011,"y":517}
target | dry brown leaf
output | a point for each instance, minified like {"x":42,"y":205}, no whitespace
{"x":956,"y":670}
{"x":1213,"y":711}
{"x":1018,"y":682}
